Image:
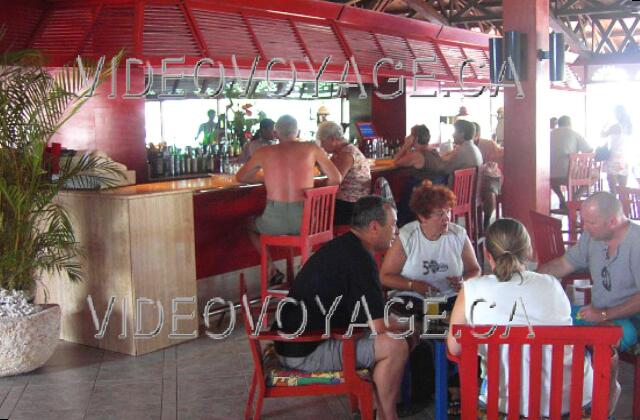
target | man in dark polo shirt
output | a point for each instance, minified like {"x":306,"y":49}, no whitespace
{"x":345,"y":267}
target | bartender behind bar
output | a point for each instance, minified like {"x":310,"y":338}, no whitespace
{"x":209,"y":129}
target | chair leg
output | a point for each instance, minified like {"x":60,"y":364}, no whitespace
{"x":636,"y":388}
{"x":353,"y":402}
{"x":264,"y":276}
{"x":366,"y":405}
{"x":290,"y":271}
{"x":252,"y":390}
{"x":304,"y":253}
{"x":256,"y":414}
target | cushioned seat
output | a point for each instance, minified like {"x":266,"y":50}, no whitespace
{"x":280,"y":376}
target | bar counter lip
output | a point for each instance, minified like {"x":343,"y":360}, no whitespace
{"x":207,"y":183}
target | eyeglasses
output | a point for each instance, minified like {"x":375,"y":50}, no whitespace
{"x":606,"y":279}
{"x":440,"y":214}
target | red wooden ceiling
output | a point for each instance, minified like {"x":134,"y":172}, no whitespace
{"x":156,"y":29}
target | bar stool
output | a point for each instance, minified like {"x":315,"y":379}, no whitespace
{"x":464,"y":186}
{"x":316,"y":228}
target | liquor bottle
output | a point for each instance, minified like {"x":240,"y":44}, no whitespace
{"x":170,"y":161}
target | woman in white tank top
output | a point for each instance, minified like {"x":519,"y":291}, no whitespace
{"x":508,"y":248}
{"x":433,"y":255}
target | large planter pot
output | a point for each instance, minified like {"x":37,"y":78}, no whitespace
{"x":27,"y":342}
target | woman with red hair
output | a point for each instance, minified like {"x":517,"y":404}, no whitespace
{"x":433,"y":255}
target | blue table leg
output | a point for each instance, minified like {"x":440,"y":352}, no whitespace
{"x":441,"y":380}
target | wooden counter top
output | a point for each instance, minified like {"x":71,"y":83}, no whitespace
{"x":207,"y":183}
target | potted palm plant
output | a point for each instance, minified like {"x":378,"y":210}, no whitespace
{"x":36,"y":234}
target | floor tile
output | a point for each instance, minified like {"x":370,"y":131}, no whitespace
{"x":55,"y":397}
{"x":48,"y":415}
{"x":197,"y":387}
{"x":212,"y":409}
{"x":53,"y":375}
{"x":11,"y":400}
{"x":126,"y":396}
{"x":124,"y":414}
{"x":295,"y":408}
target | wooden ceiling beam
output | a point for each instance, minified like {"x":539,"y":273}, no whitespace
{"x":427,"y":11}
{"x":626,"y":9}
{"x":604,"y":36}
{"x":575,"y":43}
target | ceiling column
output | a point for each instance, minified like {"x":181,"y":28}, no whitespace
{"x":526,"y":124}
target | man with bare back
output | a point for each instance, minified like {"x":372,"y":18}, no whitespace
{"x":288,"y":170}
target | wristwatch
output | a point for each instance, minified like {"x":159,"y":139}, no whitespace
{"x":603,"y":315}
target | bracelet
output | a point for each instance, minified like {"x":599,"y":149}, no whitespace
{"x":410,"y":284}
{"x":603,"y":315}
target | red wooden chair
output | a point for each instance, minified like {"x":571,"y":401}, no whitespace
{"x":512,"y":340}
{"x":464,"y":187}
{"x":630,"y":198}
{"x":316,"y":229}
{"x":583,"y":176}
{"x":349,"y":381}
{"x":548,"y":242}
{"x":547,"y":237}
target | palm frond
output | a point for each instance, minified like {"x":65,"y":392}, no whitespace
{"x":36,"y":233}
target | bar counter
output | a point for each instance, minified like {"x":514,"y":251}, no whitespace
{"x":153,"y":241}
{"x":222,"y":208}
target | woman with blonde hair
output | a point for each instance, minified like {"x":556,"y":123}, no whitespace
{"x":539,"y":300}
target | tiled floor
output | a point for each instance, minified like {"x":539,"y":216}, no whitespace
{"x":201,"y":379}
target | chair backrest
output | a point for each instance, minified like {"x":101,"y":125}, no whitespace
{"x":500,"y":339}
{"x":584,"y":171}
{"x":575,"y":220}
{"x":464,"y":186}
{"x":582,"y":166}
{"x":319,"y":208}
{"x":547,"y":237}
{"x":630,"y":198}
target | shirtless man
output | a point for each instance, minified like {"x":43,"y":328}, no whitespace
{"x":288,"y":171}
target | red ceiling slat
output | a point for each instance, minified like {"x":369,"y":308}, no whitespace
{"x":63,"y":31}
{"x":323,"y":42}
{"x":277,"y":38}
{"x":454,"y":56}
{"x":225,"y":34}
{"x":112,"y":32}
{"x":426,"y":50}
{"x":21,"y":22}
{"x":398,"y":50}
{"x":480,"y":58}
{"x":166,"y":32}
{"x":153,"y":29}
{"x":364,"y":47}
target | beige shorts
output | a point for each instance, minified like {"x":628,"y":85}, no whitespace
{"x":328,"y":356}
{"x":280,"y":218}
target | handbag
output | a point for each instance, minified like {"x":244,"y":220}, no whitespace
{"x":602,"y":153}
